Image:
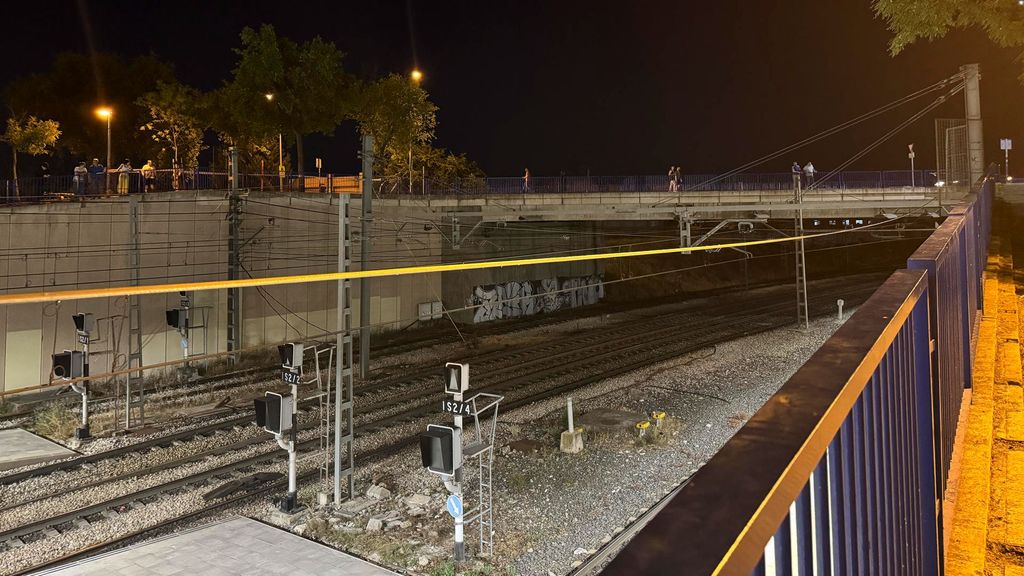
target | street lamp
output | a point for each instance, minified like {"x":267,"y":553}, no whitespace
{"x":416,"y":76}
{"x":911,"y":156}
{"x":105,"y":112}
{"x":280,"y":151}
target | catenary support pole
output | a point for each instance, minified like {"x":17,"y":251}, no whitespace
{"x":975,"y":136}
{"x":234,"y":261}
{"x":364,"y":262}
{"x":343,"y":373}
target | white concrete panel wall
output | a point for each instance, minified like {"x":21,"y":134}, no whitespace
{"x":184,"y":236}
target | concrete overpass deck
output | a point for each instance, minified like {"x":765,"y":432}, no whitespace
{"x":664,"y":205}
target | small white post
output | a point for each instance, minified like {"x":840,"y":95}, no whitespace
{"x":571,"y":425}
{"x":839,"y":304}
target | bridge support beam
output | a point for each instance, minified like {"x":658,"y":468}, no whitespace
{"x":975,"y":135}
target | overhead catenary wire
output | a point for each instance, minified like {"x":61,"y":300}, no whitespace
{"x":49,"y":296}
{"x":824,"y":133}
{"x":114,"y":373}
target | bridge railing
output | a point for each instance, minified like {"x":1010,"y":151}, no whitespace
{"x":842,"y":471}
{"x":40,"y":189}
{"x":660,"y":183}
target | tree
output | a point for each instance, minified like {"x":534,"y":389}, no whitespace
{"x":306,"y":83}
{"x":31,"y":136}
{"x":401,"y":118}
{"x":912,"y":20}
{"x":76,"y":84}
{"x":173,"y":120}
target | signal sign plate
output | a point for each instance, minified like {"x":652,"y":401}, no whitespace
{"x":289,"y":377}
{"x":456,"y":407}
{"x":456,"y":377}
{"x":454,"y":505}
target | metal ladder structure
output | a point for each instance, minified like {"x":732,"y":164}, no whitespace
{"x":135,"y":393}
{"x":482,"y":448}
{"x":802,"y":312}
{"x":324,"y":370}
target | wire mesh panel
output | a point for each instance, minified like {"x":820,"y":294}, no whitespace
{"x":951,"y":158}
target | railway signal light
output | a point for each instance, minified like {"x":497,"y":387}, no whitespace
{"x":177,"y":318}
{"x":68,"y":364}
{"x":291,"y":354}
{"x":84,"y":322}
{"x":441,"y":449}
{"x":456,"y":378}
{"x":274,"y":412}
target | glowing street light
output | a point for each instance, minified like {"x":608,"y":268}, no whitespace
{"x":416,"y":75}
{"x":280,"y":150}
{"x":105,"y":112}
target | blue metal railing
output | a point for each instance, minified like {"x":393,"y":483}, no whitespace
{"x":842,"y":471}
{"x":165,"y":180}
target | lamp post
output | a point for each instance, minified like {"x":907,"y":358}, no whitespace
{"x":105,"y":113}
{"x":911,"y":156}
{"x":280,"y":152}
{"x":416,"y":76}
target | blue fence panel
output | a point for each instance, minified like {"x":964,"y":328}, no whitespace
{"x":850,"y":432}
{"x":850,"y":457}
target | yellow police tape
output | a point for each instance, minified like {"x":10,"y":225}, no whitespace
{"x":113,"y":292}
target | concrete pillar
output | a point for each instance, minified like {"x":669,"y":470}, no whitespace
{"x":975,"y":136}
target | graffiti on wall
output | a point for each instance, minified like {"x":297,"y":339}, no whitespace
{"x":529,"y":297}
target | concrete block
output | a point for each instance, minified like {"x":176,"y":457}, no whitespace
{"x":379,"y":492}
{"x":375,"y":525}
{"x":418,"y":501}
{"x":572,"y":442}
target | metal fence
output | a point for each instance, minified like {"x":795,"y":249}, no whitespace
{"x":842,"y":471}
{"x":38,"y":189}
{"x":661,"y":183}
{"x":135,"y":181}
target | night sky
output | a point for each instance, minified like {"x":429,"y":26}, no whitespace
{"x":613,"y":88}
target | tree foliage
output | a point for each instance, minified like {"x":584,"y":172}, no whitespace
{"x":29,"y":136}
{"x":173,"y":112}
{"x":308,"y":84}
{"x":401,"y":118}
{"x":912,"y":20}
{"x":76,"y":84}
{"x":398,"y":114}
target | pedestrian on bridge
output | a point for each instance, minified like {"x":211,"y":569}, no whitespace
{"x":96,"y":176}
{"x":809,"y":172}
{"x":526,"y":181}
{"x":80,"y":179}
{"x":123,"y":177}
{"x":673,"y":178}
{"x":149,"y":176}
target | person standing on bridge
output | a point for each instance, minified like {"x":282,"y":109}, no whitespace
{"x":673,"y":179}
{"x":526,"y":181}
{"x":80,"y":179}
{"x":809,"y":172}
{"x":149,"y":176}
{"x":96,"y":172}
{"x":123,"y":177}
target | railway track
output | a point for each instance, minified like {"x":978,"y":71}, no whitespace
{"x":566,"y":368}
{"x":582,"y":350}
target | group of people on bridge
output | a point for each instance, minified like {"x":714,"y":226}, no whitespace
{"x":808,"y":172}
